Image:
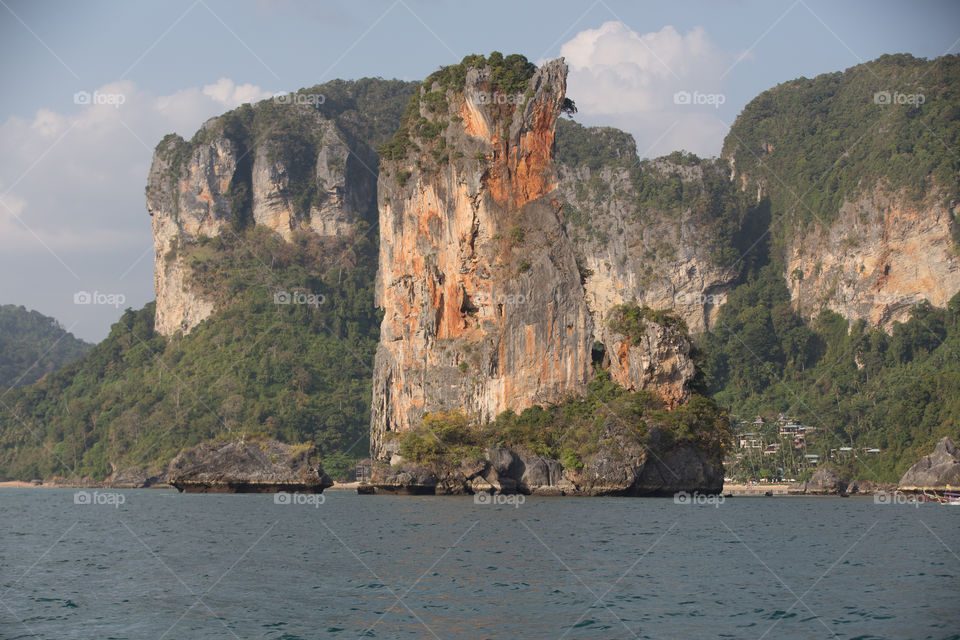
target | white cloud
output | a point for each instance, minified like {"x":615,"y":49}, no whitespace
{"x":230,"y":95}
{"x":628,"y":80}
{"x":72,"y":177}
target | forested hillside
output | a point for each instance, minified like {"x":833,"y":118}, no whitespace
{"x":32,"y":345}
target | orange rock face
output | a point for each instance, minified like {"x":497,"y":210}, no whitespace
{"x":882,"y":255}
{"x":483,"y":305}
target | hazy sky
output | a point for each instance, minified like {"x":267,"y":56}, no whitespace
{"x":72,"y":174}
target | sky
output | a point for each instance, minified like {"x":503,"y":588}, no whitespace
{"x":89,"y":88}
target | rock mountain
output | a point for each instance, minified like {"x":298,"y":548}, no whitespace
{"x":487,"y":306}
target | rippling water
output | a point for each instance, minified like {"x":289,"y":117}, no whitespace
{"x":163,"y":565}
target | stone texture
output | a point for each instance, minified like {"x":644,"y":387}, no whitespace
{"x":642,"y":256}
{"x":263,"y":466}
{"x":883,"y":254}
{"x":935,"y":472}
{"x":660,"y":362}
{"x":824,"y":481}
{"x":475,"y":318}
{"x":188,"y":194}
{"x":621,"y":468}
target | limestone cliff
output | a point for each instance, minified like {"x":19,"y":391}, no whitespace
{"x":863,"y":193}
{"x":653,"y":232}
{"x":304,"y":163}
{"x":883,"y":254}
{"x":480,"y":280}
{"x":658,"y":360}
{"x":484,"y":309}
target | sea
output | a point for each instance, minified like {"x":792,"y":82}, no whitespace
{"x":157,"y":564}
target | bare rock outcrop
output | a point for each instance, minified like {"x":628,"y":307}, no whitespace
{"x":621,"y":469}
{"x":259,"y":466}
{"x":665,"y":256}
{"x":246,"y":168}
{"x":483,"y":305}
{"x":938,"y":471}
{"x":657,"y":361}
{"x":883,"y":254}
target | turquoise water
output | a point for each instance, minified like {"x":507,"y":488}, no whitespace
{"x":156,"y":564}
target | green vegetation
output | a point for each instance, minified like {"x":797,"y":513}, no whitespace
{"x":509,"y":75}
{"x":859,"y":386}
{"x":631,"y":320}
{"x":656,"y":190}
{"x":33,"y":345}
{"x":572,"y":430}
{"x":295,"y":372}
{"x":365,"y":112}
{"x":814,"y":144}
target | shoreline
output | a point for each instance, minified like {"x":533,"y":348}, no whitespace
{"x":737,"y":490}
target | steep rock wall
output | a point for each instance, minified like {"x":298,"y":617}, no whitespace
{"x":632,"y":252}
{"x":657,"y":361}
{"x":884,"y":253}
{"x":231,"y":175}
{"x":483,"y":305}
